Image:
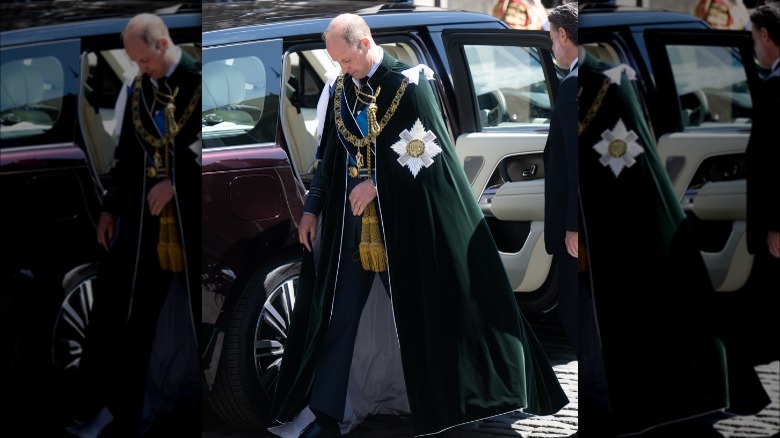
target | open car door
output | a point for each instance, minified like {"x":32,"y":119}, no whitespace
{"x":505,"y":83}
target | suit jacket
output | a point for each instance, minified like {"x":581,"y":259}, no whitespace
{"x":763,"y":156}
{"x":561,"y":161}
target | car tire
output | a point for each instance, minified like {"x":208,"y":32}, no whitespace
{"x":253,"y":346}
{"x":70,"y":325}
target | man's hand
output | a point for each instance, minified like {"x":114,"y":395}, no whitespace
{"x":572,"y":244}
{"x":161,"y":194}
{"x":361,"y":196}
{"x":105,"y":229}
{"x":773,"y":242}
{"x":307,"y":230}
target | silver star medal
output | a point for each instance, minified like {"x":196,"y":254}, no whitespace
{"x":416,"y":148}
{"x":618,"y":148}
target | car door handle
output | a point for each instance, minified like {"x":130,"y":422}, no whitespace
{"x":531,"y":171}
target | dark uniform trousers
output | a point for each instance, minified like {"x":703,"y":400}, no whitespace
{"x":353,"y":286}
{"x":578,"y":318}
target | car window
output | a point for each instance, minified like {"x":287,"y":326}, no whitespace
{"x":711,"y":85}
{"x":32,"y":91}
{"x":510,"y":86}
{"x":38,"y":88}
{"x":241,"y":89}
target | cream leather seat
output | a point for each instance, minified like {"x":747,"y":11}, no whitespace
{"x":22,"y":89}
{"x":223,"y":86}
{"x":254,"y":79}
{"x":22,"y":85}
{"x":302,"y":143}
{"x":100,"y":143}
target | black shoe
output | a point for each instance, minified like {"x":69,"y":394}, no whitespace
{"x":321,"y":429}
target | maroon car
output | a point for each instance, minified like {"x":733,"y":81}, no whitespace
{"x":61,"y":70}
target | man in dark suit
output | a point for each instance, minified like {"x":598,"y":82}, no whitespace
{"x":561,"y":169}
{"x":763,"y":188}
{"x":561,"y":217}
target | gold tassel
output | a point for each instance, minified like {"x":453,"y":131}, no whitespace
{"x":171,"y":127}
{"x":373,"y":125}
{"x":170,"y":118}
{"x":372,"y":251}
{"x":169,"y":249}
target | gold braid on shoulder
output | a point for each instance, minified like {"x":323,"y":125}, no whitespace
{"x":376,"y":129}
{"x":595,"y":106}
{"x":172,"y":129}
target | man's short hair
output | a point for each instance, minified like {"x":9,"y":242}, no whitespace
{"x":767,"y":17}
{"x":353,"y":28}
{"x":565,"y":17}
{"x":150,"y":28}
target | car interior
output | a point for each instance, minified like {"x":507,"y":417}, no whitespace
{"x":30,"y":96}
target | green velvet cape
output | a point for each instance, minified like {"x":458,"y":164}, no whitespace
{"x":467,"y":352}
{"x":653,"y":296}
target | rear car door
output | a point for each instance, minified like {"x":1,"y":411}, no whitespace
{"x":505,"y":83}
{"x":48,"y":191}
{"x":250,"y":251}
{"x":247,"y":180}
{"x":50,"y":204}
{"x":706,"y":79}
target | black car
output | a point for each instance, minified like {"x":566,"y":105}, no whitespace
{"x":61,"y":70}
{"x":264,"y":67}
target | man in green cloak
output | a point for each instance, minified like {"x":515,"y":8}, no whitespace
{"x":140,"y":363}
{"x":664,"y":356}
{"x":393,"y":202}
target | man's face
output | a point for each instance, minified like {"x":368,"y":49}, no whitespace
{"x":759,"y":46}
{"x":559,"y":40}
{"x":352,"y":60}
{"x":151,"y":60}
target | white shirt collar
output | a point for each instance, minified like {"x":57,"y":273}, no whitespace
{"x":373,"y":68}
{"x":176,"y":61}
{"x":571,"y":66}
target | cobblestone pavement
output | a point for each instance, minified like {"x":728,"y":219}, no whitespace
{"x":765,"y":424}
{"x":562,"y":424}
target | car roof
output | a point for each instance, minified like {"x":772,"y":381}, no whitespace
{"x":39,"y":21}
{"x":234,"y":22}
{"x":607,"y":15}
